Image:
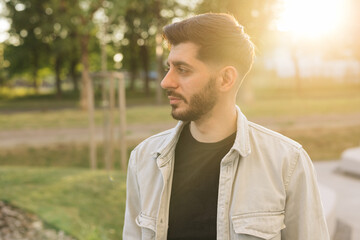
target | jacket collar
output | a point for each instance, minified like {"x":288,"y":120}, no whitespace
{"x":242,"y":140}
{"x":241,"y":144}
{"x":165,"y":150}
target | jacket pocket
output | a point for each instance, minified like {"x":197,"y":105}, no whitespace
{"x":262,"y":225}
{"x":147,"y":225}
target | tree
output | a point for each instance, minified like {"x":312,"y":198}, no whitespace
{"x":28,"y":51}
{"x":3,"y":66}
{"x":144,"y":21}
{"x":77,"y":16}
{"x":46,"y":41}
{"x":61,"y":38}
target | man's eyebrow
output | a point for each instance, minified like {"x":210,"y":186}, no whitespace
{"x":179,"y":63}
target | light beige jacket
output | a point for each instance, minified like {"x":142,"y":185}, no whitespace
{"x":267,"y":188}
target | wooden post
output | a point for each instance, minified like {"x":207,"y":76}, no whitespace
{"x":122,"y":129}
{"x":107,"y":137}
{"x":105,"y":105}
{"x":90,"y":98}
{"x":110,"y":163}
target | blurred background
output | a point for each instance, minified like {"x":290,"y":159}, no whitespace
{"x":79,"y":89}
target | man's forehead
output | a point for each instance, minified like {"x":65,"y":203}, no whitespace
{"x":183,"y":53}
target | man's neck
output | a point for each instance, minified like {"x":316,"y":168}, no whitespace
{"x":218,"y":125}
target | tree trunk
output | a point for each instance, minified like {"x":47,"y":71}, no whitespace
{"x":34,"y":79}
{"x":160,"y":69}
{"x":133,"y":70}
{"x":58,"y":63}
{"x":73,"y":76}
{"x":145,"y":62}
{"x":122,"y":118}
{"x":133,"y":62}
{"x":103,"y":56}
{"x":87,"y":91}
{"x":35,"y":71}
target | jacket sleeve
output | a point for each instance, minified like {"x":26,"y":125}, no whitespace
{"x":131,"y":230}
{"x":304,"y":217}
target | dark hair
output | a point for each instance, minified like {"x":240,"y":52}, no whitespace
{"x":221,"y":39}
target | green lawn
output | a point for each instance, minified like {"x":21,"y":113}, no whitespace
{"x":54,"y":183}
{"x":86,"y":204}
{"x":47,"y":111}
{"x":83,"y":203}
{"x":72,"y":118}
{"x":58,"y":155}
{"x":326,"y":143}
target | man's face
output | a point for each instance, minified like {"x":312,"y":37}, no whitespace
{"x":190,"y":86}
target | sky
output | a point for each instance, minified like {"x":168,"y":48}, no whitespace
{"x":312,"y":18}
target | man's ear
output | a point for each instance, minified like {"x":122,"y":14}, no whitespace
{"x":228,"y":76}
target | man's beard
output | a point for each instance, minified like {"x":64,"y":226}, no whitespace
{"x":199,"y":104}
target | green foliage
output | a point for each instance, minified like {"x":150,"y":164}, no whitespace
{"x":143,"y":21}
{"x":50,"y":33}
{"x":83,"y":203}
{"x":27,"y":54}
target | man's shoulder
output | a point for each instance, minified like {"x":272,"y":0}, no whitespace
{"x":272,"y":137}
{"x":272,"y":148}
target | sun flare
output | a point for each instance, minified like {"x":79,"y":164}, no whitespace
{"x":311,"y":18}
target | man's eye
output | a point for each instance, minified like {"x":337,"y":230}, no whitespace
{"x":182,"y":70}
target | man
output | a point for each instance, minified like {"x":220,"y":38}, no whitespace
{"x":216,"y":175}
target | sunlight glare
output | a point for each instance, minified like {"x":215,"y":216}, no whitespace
{"x":311,"y":18}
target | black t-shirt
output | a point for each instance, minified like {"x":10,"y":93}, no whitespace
{"x":194,"y":194}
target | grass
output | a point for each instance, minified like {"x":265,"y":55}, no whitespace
{"x":59,"y":155}
{"x":338,"y":99}
{"x":321,"y":144}
{"x":49,"y":112}
{"x":11,"y":101}
{"x":83,"y":203}
{"x":74,"y":118}
{"x":86,"y":204}
{"x":30,"y":101}
{"x":54,"y":183}
{"x":326,"y":143}
{"x":302,"y":106}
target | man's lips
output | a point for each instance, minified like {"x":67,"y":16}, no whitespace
{"x":174,"y":100}
{"x":175,"y":97}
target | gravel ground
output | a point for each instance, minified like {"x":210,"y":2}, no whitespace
{"x":16,"y":224}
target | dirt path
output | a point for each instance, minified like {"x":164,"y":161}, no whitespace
{"x":42,"y":137}
{"x":138,"y":132}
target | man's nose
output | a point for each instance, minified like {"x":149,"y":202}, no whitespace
{"x":169,"y":81}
